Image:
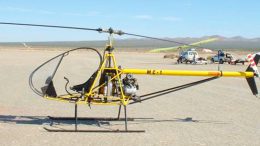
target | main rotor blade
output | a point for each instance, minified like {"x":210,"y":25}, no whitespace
{"x":110,"y":30}
{"x":52,"y":26}
{"x":186,"y":46}
{"x":159,"y":39}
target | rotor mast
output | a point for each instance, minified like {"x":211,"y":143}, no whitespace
{"x":111,"y":33}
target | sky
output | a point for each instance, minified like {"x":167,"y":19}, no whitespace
{"x":156,"y":18}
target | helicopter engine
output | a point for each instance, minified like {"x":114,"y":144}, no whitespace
{"x":131,"y":86}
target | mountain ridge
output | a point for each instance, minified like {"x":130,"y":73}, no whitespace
{"x":235,"y":42}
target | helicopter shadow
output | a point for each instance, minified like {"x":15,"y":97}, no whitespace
{"x":174,"y":120}
{"x":44,"y":120}
{"x":30,"y":120}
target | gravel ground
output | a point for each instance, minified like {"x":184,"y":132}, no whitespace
{"x":223,"y":111}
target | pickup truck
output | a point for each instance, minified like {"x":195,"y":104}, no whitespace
{"x":222,"y":57}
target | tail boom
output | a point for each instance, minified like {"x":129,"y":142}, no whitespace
{"x":247,"y":74}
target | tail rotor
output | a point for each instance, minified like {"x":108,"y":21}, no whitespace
{"x":253,"y":59}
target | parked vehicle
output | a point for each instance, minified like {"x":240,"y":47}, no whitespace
{"x":239,"y":60}
{"x":189,"y":56}
{"x":222,"y":57}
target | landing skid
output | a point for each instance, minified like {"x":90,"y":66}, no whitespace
{"x":95,"y":131}
{"x":76,"y":118}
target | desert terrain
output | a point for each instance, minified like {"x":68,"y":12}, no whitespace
{"x":224,"y":111}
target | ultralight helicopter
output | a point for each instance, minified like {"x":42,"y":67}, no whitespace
{"x":106,"y":86}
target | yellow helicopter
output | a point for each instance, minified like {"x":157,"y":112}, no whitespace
{"x":107,"y":86}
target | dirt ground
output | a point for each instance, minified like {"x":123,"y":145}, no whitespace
{"x":223,"y":111}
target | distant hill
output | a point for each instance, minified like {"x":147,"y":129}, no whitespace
{"x":237,"y":42}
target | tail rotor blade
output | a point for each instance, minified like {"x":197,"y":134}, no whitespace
{"x":251,"y":68}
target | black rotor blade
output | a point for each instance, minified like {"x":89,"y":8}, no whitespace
{"x":52,"y":26}
{"x":110,"y":30}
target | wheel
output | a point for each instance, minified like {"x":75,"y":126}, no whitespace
{"x":221,"y":61}
{"x":212,"y":60}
